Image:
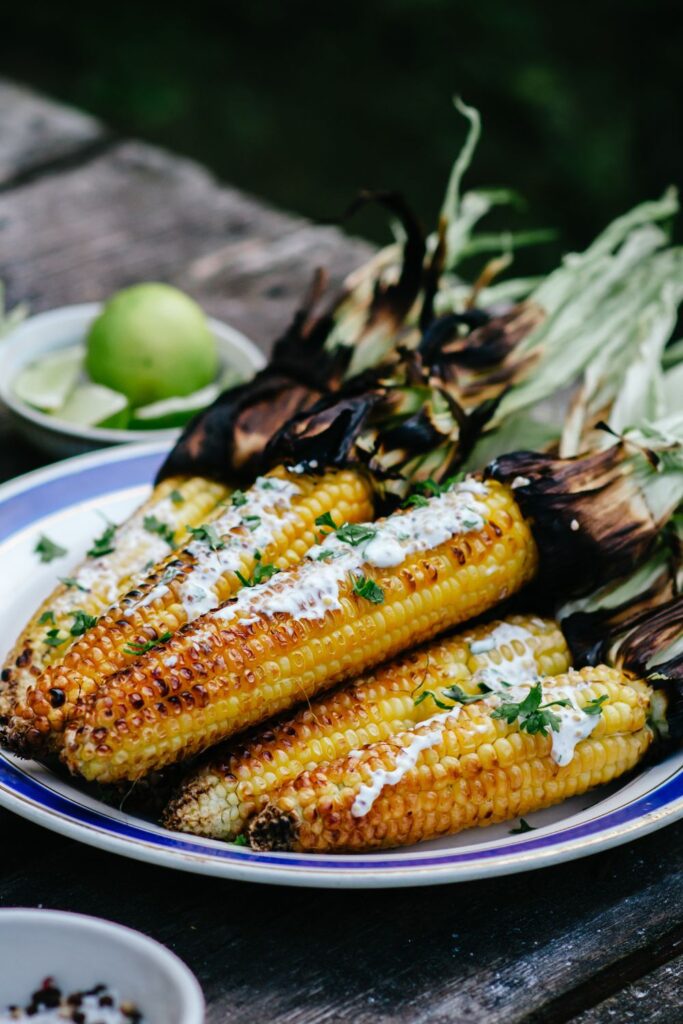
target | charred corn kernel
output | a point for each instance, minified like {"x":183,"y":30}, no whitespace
{"x":269,"y":526}
{"x":458,"y":769}
{"x":100,"y":579}
{"x":219,"y":797}
{"x":363,"y":595}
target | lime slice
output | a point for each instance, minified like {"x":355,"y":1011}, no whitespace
{"x":173,"y":412}
{"x":93,"y":405}
{"x":47,"y":383}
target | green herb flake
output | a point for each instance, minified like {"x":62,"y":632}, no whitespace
{"x":355,"y":533}
{"x":82,"y":622}
{"x":238,"y":499}
{"x":534,"y":717}
{"x":429,"y":693}
{"x":47,"y":550}
{"x":176,"y":497}
{"x":103,"y":545}
{"x":455,"y":693}
{"x":262,"y":572}
{"x":252,"y":522}
{"x":72,"y":583}
{"x":326,"y":520}
{"x":325,"y":553}
{"x":138,"y":649}
{"x":240,"y":840}
{"x":208,"y":535}
{"x":415,"y":501}
{"x":154,"y":525}
{"x":523,"y":827}
{"x":367,"y":588}
{"x":594,"y":707}
{"x":54,"y":638}
{"x":46,"y":617}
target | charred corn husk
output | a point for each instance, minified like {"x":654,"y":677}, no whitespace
{"x":365,"y":594}
{"x":268,"y":527}
{"x":472,"y":765}
{"x":117,"y":561}
{"x":220,"y":796}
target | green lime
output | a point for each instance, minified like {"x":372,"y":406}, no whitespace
{"x":47,"y":383}
{"x":151,"y":342}
{"x":93,"y":405}
{"x":173,"y":412}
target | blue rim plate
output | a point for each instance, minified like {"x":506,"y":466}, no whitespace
{"x":59,"y":501}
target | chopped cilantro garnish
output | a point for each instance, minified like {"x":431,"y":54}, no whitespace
{"x":532,"y":714}
{"x":326,"y":520}
{"x":70,"y":582}
{"x":523,"y":827}
{"x":355,"y":533}
{"x":46,"y":617}
{"x":262,"y":572}
{"x":47,"y":550}
{"x":429,"y":693}
{"x":176,"y":497}
{"x":367,"y":588}
{"x":266,"y":485}
{"x":240,"y":840}
{"x":142,"y":648}
{"x":594,"y":707}
{"x":53,"y":638}
{"x":453,"y":693}
{"x":252,"y":522}
{"x":154,"y":525}
{"x":207,"y":533}
{"x":102,"y":545}
{"x":238,"y":499}
{"x":325,"y":553}
{"x":82,"y":621}
{"x":415,"y":501}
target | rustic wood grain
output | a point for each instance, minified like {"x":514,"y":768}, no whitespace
{"x":541,"y":947}
{"x":657,"y":998}
{"x":81,"y":215}
{"x":35,"y":133}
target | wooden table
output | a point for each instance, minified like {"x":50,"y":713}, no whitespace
{"x":598,"y":940}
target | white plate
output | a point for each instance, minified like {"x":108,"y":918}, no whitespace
{"x":64,"y":501}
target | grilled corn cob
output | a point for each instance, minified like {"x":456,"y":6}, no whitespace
{"x":365,"y":594}
{"x":463,"y":767}
{"x":220,"y":796}
{"x":102,"y":578}
{"x":266,"y":528}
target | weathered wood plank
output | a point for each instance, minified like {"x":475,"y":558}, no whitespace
{"x":135,"y":213}
{"x":657,"y":998}
{"x":516,"y":949}
{"x":34,"y":132}
{"x":77,"y":233}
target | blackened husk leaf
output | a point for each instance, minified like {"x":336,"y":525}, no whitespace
{"x":226,"y":441}
{"x":590,"y":519}
{"x":668,"y":677}
{"x":630,"y":635}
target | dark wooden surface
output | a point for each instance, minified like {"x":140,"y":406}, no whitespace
{"x":595,"y":941}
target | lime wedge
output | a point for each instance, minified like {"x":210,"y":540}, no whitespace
{"x":173,"y":412}
{"x":93,"y":405}
{"x":47,"y":383}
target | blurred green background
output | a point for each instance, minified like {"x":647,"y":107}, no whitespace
{"x":304,"y":102}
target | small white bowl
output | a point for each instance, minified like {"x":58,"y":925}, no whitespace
{"x":69,"y":325}
{"x":80,"y":952}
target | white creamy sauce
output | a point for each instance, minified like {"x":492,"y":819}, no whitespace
{"x":313,"y":588}
{"x":426,"y":736}
{"x":245,"y":529}
{"x":509,"y":682}
{"x":520,"y":481}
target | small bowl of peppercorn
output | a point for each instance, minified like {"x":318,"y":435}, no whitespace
{"x":57,"y":966}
